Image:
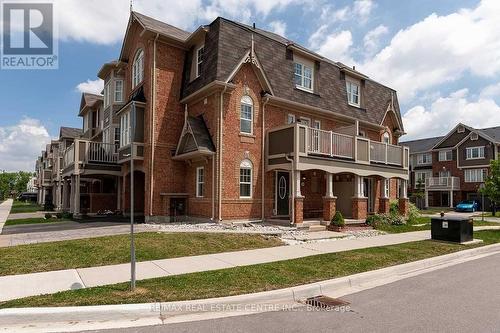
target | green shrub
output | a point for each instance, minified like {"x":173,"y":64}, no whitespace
{"x":67,"y":215}
{"x":396,"y":220}
{"x":338,"y":220}
{"x":48,"y":216}
{"x":375,"y":220}
{"x":394,"y":207}
{"x":59,"y":215}
{"x":413,"y":213}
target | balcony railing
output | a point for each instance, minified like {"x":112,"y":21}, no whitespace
{"x":442,"y":183}
{"x":84,"y":151}
{"x":330,"y":143}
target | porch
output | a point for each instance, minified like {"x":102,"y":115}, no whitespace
{"x":442,"y":190}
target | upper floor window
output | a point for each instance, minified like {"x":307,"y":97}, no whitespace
{"x":474,"y":153}
{"x":353,"y":93}
{"x":125,"y":129}
{"x":246,"y":179}
{"x":386,"y":137}
{"x":106,"y":95}
{"x":303,"y":76}
{"x":119,"y":91}
{"x":290,"y":118}
{"x":420,"y":177}
{"x":424,"y":158}
{"x":246,"y":115}
{"x":475,"y":175}
{"x":445,"y":155}
{"x":138,"y":68}
{"x":200,"y":181}
{"x":200,"y":52}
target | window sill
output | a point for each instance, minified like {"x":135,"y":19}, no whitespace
{"x":247,"y":138}
{"x":307,"y":91}
{"x":475,"y":158}
{"x":356,"y":106}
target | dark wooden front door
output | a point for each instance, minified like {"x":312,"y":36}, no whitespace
{"x":282,"y":193}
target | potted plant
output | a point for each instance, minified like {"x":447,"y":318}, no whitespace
{"x":337,"y":223}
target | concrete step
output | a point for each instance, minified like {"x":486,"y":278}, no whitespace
{"x":316,"y":228}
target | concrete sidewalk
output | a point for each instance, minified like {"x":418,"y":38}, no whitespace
{"x":4,"y":212}
{"x":17,"y":286}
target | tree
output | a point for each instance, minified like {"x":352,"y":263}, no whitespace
{"x":491,"y":187}
{"x":419,"y":193}
{"x":13,"y":182}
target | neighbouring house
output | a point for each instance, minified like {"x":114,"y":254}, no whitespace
{"x":231,"y":122}
{"x":31,"y":185}
{"x":453,"y":167}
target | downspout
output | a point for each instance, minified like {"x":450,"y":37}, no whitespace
{"x":221,"y":111}
{"x":292,"y":210}
{"x":152,"y":131}
{"x":263,"y":157}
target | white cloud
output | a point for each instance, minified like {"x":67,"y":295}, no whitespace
{"x":21,"y":144}
{"x":91,"y":86}
{"x":440,"y":49}
{"x":363,"y":9}
{"x":278,"y":27}
{"x":371,"y":40}
{"x":445,"y":112}
{"x":336,"y":46}
{"x":492,"y":90}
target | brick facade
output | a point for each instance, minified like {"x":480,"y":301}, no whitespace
{"x":329,"y":206}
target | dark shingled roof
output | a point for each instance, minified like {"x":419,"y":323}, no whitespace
{"x":70,"y":132}
{"x":226,"y":43}
{"x":421,"y":145}
{"x":492,"y":132}
{"x":161,"y":27}
{"x":196,"y":138}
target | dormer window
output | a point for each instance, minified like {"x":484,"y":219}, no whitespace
{"x":303,"y":76}
{"x":473,"y":136}
{"x":386,"y":138}
{"x":353,"y":93}
{"x":138,"y":68}
{"x":460,"y":129}
{"x":199,"y":59}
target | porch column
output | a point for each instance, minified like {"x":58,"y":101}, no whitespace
{"x":298,"y":199}
{"x":359,"y":201}
{"x":72,"y":196}
{"x":64,"y":196}
{"x":329,"y":200}
{"x":451,"y":198}
{"x":426,"y":198}
{"x":118,"y":193}
{"x":384,"y":205}
{"x":404,"y":203}
{"x":76,"y":210}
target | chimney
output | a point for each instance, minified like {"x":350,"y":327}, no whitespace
{"x":353,"y":68}
{"x":254,"y":25}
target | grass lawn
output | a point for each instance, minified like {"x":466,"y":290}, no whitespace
{"x":34,"y":220}
{"x":435,"y":210}
{"x":421,"y":223}
{"x":24,"y":207}
{"x":255,"y":278}
{"x":488,"y":214}
{"x":112,"y":250}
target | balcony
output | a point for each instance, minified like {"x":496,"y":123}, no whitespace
{"x":442,"y":183}
{"x":90,"y":152}
{"x":313,"y":146}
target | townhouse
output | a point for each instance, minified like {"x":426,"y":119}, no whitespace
{"x":451,"y":168}
{"x":231,"y":122}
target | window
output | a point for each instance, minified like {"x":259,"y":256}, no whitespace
{"x":246,"y":179}
{"x":460,"y":129}
{"x":445,"y":155}
{"x":125,"y":129}
{"x":475,"y":175}
{"x":200,"y":181}
{"x":424,"y":158}
{"x":200,"y":52}
{"x":362,"y":133}
{"x":117,"y":136}
{"x":386,"y":138}
{"x":422,"y":176}
{"x":303,"y":75}
{"x":118,"y":91}
{"x":290,"y":118}
{"x":352,"y":93}
{"x":106,"y":95}
{"x":246,"y":115}
{"x":387,"y":186}
{"x":474,"y":136}
{"x":138,"y":68}
{"x":305,"y":121}
{"x":474,"y":153}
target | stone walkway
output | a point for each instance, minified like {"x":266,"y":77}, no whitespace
{"x":4,"y":212}
{"x":17,"y":286}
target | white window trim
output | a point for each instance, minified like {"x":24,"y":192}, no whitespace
{"x":125,"y":129}
{"x":480,"y":148}
{"x":138,"y":68}
{"x":388,"y":136}
{"x":427,"y":174}
{"x":460,"y":129}
{"x":306,"y":118}
{"x":302,"y":86}
{"x":357,"y":83}
{"x":445,"y":152}
{"x":362,"y":133}
{"x":387,"y":188}
{"x":118,"y":91}
{"x":251,"y":104}
{"x":422,"y":162}
{"x":288,"y":116}
{"x":198,"y":183}
{"x":478,"y":175}
{"x":248,"y":165}
{"x":198,"y":62}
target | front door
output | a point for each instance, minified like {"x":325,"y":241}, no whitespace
{"x":282,"y":193}
{"x":368,"y":192}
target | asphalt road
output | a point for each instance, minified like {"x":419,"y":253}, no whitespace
{"x":461,"y":298}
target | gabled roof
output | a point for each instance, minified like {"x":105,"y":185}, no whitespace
{"x":421,"y":145}
{"x":160,"y":27}
{"x":70,"y":132}
{"x":195,"y":138}
{"x":89,"y":100}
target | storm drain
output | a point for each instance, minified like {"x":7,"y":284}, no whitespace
{"x":325,"y":302}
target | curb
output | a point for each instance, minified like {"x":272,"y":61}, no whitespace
{"x":130,"y":315}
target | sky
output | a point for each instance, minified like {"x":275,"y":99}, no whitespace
{"x":442,"y":57}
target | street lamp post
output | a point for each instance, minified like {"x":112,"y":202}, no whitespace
{"x":481,"y":187}
{"x":132,"y":242}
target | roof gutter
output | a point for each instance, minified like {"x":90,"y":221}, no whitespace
{"x":212,"y":86}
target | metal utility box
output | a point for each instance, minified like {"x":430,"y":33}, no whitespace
{"x":452,"y":229}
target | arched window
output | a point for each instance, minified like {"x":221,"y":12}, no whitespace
{"x":386,"y":137}
{"x":246,"y":115}
{"x":138,"y":68}
{"x":246,"y":179}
